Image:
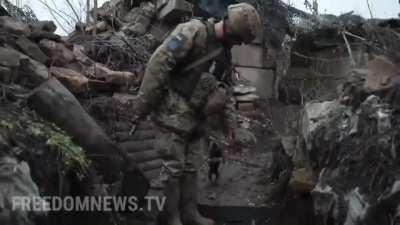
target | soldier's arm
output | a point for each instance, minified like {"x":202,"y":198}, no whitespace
{"x":162,"y":62}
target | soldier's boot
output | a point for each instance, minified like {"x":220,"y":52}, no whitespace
{"x":171,"y":214}
{"x":189,"y":213}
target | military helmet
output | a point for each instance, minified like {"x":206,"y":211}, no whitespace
{"x":244,"y":21}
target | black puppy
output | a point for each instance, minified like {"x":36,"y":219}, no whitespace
{"x":215,"y":158}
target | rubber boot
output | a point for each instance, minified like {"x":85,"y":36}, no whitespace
{"x":189,"y":213}
{"x":171,"y":214}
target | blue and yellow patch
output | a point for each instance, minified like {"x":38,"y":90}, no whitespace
{"x":176,"y":43}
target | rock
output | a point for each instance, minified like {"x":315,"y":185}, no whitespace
{"x":31,"y":49}
{"x":316,"y":116}
{"x":139,"y":19}
{"x":35,"y":71}
{"x":174,"y":10}
{"x":59,"y":54}
{"x":39,"y":35}
{"x":78,"y":51}
{"x":10,"y":57}
{"x":382,"y":74}
{"x":74,"y":81}
{"x":100,"y":27}
{"x":44,"y":25}
{"x":13,"y":26}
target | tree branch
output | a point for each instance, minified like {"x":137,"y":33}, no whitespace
{"x":73,"y":10}
{"x":369,"y":8}
{"x":52,"y":11}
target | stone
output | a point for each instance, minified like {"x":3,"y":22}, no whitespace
{"x":10,"y":57}
{"x":44,"y":25}
{"x":31,"y":49}
{"x":34,"y":71}
{"x":174,"y":10}
{"x":317,"y":115}
{"x":80,"y":56}
{"x":59,"y":54}
{"x":382,"y":74}
{"x":72,"y":80}
{"x":139,"y":19}
{"x":39,"y":35}
{"x":13,"y":26}
{"x":100,"y":27}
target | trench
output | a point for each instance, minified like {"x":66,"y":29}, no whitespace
{"x":297,"y":211}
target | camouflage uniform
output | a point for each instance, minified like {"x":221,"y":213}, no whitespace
{"x":179,"y":100}
{"x":182,"y":87}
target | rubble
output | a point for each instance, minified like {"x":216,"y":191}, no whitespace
{"x":32,"y":50}
{"x":59,"y":54}
{"x":14,"y":27}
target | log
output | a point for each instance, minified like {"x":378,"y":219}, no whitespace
{"x":137,"y":146}
{"x":55,"y":103}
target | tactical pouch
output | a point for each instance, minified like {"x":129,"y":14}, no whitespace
{"x":216,"y":100}
{"x":204,"y":87}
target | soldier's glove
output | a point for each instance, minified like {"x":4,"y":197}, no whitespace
{"x":140,"y":111}
{"x":135,"y":122}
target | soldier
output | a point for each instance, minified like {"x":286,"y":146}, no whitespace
{"x":182,"y":94}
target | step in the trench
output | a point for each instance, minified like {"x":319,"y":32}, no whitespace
{"x":136,"y":136}
{"x":127,"y":126}
{"x":137,"y":146}
{"x":145,"y":156}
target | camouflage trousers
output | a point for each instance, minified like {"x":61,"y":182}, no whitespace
{"x":179,"y":154}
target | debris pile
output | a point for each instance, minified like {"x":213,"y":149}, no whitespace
{"x":348,"y":142}
{"x":42,"y":75}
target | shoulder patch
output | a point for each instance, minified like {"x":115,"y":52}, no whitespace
{"x":176,"y":43}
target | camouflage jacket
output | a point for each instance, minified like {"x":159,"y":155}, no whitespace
{"x":175,"y":98}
